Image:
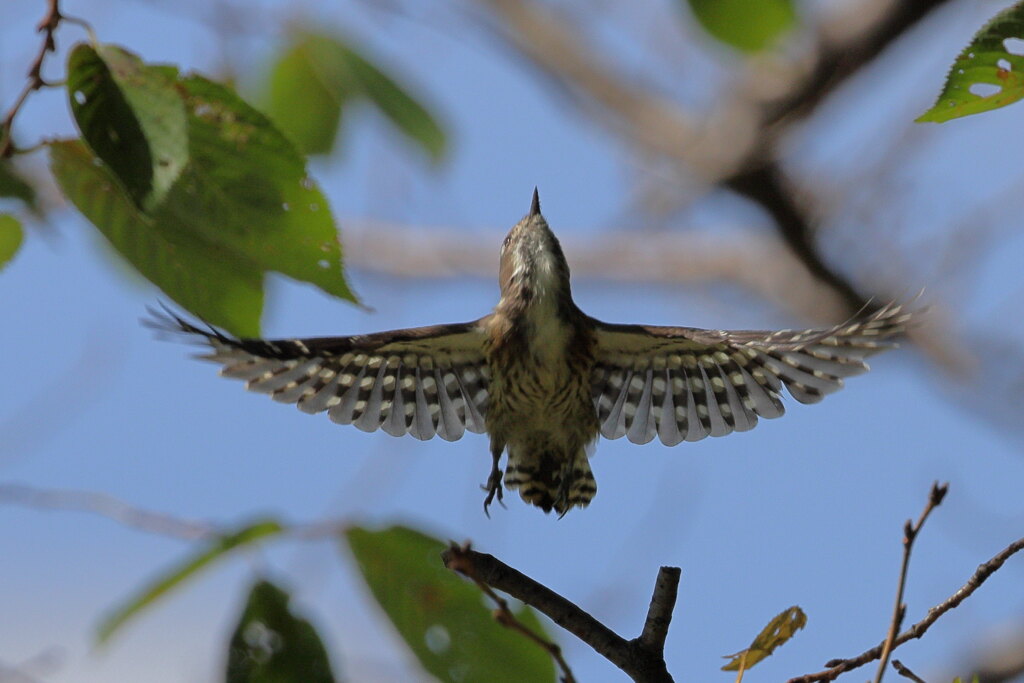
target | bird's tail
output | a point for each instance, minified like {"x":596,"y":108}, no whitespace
{"x":551,"y":480}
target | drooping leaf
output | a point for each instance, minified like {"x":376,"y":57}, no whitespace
{"x":987,"y":74}
{"x":174,"y":577}
{"x":441,"y":617}
{"x":131,"y":117}
{"x":318,"y":74}
{"x":747,"y":25}
{"x":210,"y":281}
{"x":404,"y":111}
{"x":273,"y":645}
{"x":780,"y":629}
{"x":10,"y":238}
{"x":307,"y":88}
{"x":13,"y":185}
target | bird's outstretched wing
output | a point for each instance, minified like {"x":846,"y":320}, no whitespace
{"x":683,"y":383}
{"x":420,"y":381}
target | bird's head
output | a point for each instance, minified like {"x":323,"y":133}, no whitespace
{"x":532,"y":263}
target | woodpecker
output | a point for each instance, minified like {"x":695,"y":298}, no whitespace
{"x":544,"y":380}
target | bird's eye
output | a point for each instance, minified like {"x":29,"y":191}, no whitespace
{"x":508,"y":238}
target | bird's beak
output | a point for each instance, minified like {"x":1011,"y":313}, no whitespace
{"x":535,"y":205}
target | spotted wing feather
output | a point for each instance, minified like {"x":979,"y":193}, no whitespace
{"x":419,"y":381}
{"x":681,"y":383}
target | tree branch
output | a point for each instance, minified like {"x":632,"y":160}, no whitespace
{"x":638,"y":661}
{"x":836,"y":667}
{"x":910,"y":531}
{"x":47,"y":27}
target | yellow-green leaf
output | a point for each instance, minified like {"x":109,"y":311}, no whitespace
{"x":778,"y":631}
{"x":441,"y":617}
{"x":986,"y":75}
{"x":206,"y":279}
{"x":748,"y":25}
{"x":10,"y":238}
{"x":176,"y":575}
{"x":271,"y":644}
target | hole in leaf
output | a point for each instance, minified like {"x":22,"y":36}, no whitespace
{"x":80,"y":97}
{"x":324,"y":263}
{"x":984,"y":89}
{"x":326,"y":247}
{"x":437,"y":639}
{"x":306,"y":183}
{"x":1015,"y":46}
{"x":286,"y":206}
{"x":1004,"y":64}
{"x":314,"y":207}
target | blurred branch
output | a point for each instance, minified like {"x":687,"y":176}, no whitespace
{"x":836,"y":667}
{"x":145,"y":520}
{"x":754,"y":261}
{"x":642,"y":658}
{"x":910,"y":531}
{"x":736,"y":145}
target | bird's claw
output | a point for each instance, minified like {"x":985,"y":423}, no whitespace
{"x":493,"y":488}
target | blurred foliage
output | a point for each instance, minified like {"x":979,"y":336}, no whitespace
{"x":986,"y":75}
{"x":215,"y":550}
{"x":326,"y":74}
{"x":441,"y":617}
{"x":14,"y":186}
{"x":747,"y":25}
{"x":781,"y":628}
{"x":10,"y":238}
{"x":273,"y":645}
{"x":197,"y":190}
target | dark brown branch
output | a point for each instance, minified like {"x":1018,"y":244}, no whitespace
{"x":639,"y":662}
{"x":35,"y":77}
{"x":659,"y":614}
{"x":836,"y":667}
{"x":910,"y":531}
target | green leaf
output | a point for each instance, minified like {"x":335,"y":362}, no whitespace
{"x":246,"y":189}
{"x":13,"y":185}
{"x":778,"y":631}
{"x":237,"y":204}
{"x":319,"y":74}
{"x":273,"y":645}
{"x":407,"y":114}
{"x":131,"y":117}
{"x":10,"y":238}
{"x":210,"y":281}
{"x":308,"y":86}
{"x":747,"y":25}
{"x":441,"y":617}
{"x":174,"y":577}
{"x":986,"y":75}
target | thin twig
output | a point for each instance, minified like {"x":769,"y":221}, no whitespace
{"x":836,"y":667}
{"x":47,"y":27}
{"x":634,"y":658}
{"x":905,"y":672}
{"x":505,"y":616}
{"x":910,"y":531}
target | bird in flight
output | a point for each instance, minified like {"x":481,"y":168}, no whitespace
{"x":544,"y":380}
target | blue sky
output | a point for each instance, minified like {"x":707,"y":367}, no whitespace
{"x":804,"y":510}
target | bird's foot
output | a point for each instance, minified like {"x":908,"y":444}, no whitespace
{"x":493,"y":488}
